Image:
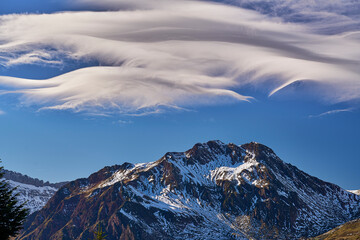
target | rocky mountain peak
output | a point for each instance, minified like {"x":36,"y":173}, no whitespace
{"x":212,"y":191}
{"x":203,"y":153}
{"x":258,"y":148}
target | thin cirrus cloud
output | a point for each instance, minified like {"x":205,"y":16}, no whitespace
{"x":331,"y":112}
{"x":324,"y":16}
{"x":166,"y":53}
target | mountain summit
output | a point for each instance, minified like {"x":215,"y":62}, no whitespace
{"x":212,"y":191}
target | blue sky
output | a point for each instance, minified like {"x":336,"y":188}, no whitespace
{"x":61,"y":127}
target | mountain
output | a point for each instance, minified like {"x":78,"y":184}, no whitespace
{"x":212,"y":191}
{"x":357,"y":192}
{"x":33,"y":191}
{"x":347,"y":231}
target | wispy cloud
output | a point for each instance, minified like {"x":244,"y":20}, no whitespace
{"x":323,"y":16}
{"x":332,"y":112}
{"x":2,"y":112}
{"x":122,"y":122}
{"x":171,"y":54}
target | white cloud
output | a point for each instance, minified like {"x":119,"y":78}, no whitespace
{"x":122,"y":122}
{"x":324,"y":16}
{"x":165,"y":53}
{"x":331,"y":112}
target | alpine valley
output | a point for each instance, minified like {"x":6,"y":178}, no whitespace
{"x":212,"y":191}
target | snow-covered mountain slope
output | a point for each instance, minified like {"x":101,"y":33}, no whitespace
{"x":357,"y":192}
{"x":34,"y":197}
{"x":212,"y":191}
{"x":34,"y":192}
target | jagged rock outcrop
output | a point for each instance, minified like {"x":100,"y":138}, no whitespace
{"x":21,"y":178}
{"x":212,"y":191}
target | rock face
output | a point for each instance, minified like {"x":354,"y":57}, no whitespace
{"x":34,"y":192}
{"x":212,"y":191}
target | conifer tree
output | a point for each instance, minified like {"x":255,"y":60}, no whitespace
{"x":99,"y":234}
{"x":12,"y":214}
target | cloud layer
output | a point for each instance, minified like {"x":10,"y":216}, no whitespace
{"x":334,"y":16}
{"x":173,"y":54}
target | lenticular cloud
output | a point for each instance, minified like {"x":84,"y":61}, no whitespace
{"x":171,"y":53}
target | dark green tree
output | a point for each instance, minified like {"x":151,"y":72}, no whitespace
{"x":12,"y":214}
{"x":99,"y":234}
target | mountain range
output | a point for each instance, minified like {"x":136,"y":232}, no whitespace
{"x":33,"y":192}
{"x":211,"y":191}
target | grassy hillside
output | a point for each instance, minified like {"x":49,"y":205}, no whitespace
{"x":347,"y":231}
